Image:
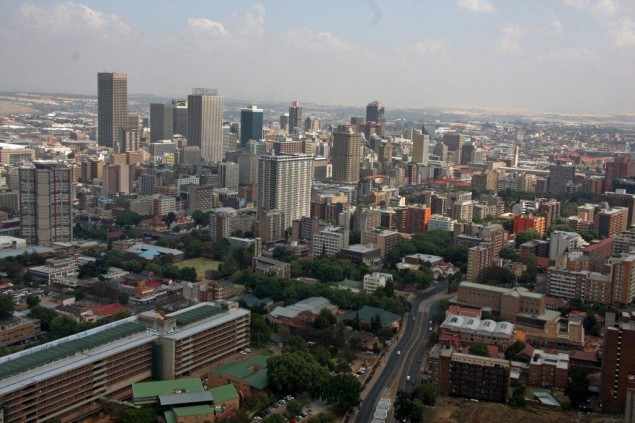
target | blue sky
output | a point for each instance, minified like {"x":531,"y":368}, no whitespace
{"x":573,"y":56}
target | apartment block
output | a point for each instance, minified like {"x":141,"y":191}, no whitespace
{"x":547,"y":370}
{"x":618,"y":363}
{"x":508,"y":302}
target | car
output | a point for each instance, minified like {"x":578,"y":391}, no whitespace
{"x":257,"y":418}
{"x":247,"y":350}
{"x":243,"y":353}
{"x":414,"y":318}
{"x":398,"y":352}
{"x":430,"y":321}
{"x":430,"y":327}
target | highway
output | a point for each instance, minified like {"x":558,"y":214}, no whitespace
{"x":412,"y":344}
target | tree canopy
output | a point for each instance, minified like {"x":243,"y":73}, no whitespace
{"x":6,"y":305}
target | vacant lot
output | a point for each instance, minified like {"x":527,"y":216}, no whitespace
{"x":454,"y":410}
{"x":200,"y":264}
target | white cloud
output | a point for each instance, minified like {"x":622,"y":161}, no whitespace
{"x":476,"y":6}
{"x":555,"y":27}
{"x":427,"y":46}
{"x":624,"y":32}
{"x":73,"y":19}
{"x":315,"y":41}
{"x":254,"y":21}
{"x":508,"y":41}
{"x":206,"y":27}
{"x":579,"y":4}
{"x":574,"y":53}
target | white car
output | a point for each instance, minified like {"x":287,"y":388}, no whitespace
{"x":398,"y":352}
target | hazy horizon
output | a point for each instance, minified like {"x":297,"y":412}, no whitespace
{"x":568,"y":56}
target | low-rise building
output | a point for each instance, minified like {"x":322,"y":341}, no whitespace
{"x":249,"y":377}
{"x":19,"y":330}
{"x":548,"y":370}
{"x":375,"y":280}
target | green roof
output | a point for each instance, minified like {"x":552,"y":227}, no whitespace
{"x":165,"y":387}
{"x":251,"y":300}
{"x":192,"y":410}
{"x":351,"y":283}
{"x":170,"y":416}
{"x":68,"y":349}
{"x":223,"y":393}
{"x":196,"y":315}
{"x":367,"y":312}
{"x":252,"y":371}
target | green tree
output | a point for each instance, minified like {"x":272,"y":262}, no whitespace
{"x":32,"y":301}
{"x":479,"y":349}
{"x":416,"y":412}
{"x":294,"y":407}
{"x":194,"y":249}
{"x":518,"y":397}
{"x":140,"y":415}
{"x":297,"y":371}
{"x":260,"y":331}
{"x":44,"y":315}
{"x":403,"y":405}
{"x":188,"y":274}
{"x":577,"y":388}
{"x":122,"y":298}
{"x":589,"y":321}
{"x":324,"y":320}
{"x":6,"y":305}
{"x":342,"y":391}
{"x":169,"y":219}
{"x":62,"y":326}
{"x":508,"y":253}
{"x":514,"y":349}
{"x":527,"y":235}
{"x":273,"y":418}
{"x":129,"y":219}
{"x":426,"y":392}
{"x":200,"y":218}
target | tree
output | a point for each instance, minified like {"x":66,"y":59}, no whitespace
{"x":273,"y":418}
{"x":294,"y":407}
{"x":62,"y":326}
{"x":324,"y":320}
{"x":169,"y":219}
{"x":32,"y":301}
{"x":403,"y":405}
{"x":577,"y":388}
{"x":140,"y":415}
{"x":129,"y":219}
{"x":508,"y":253}
{"x":194,"y":249}
{"x":499,"y":276}
{"x":426,"y":392}
{"x":188,"y":274}
{"x":200,"y":218}
{"x":416,"y":412}
{"x":260,"y":331}
{"x":518,"y":397}
{"x":122,"y":298}
{"x":297,"y":371}
{"x":44,"y":315}
{"x":479,"y":349}
{"x":6,"y":305}
{"x":527,"y":235}
{"x":514,"y":349}
{"x":342,"y":391}
{"x":589,"y":321}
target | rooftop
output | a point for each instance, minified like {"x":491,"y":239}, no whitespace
{"x":252,"y":371}
{"x":166,"y":387}
{"x":223,"y":393}
{"x":195,"y":314}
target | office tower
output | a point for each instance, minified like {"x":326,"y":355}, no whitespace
{"x":345,"y":156}
{"x":385,"y":154}
{"x":559,"y":176}
{"x":250,"y":124}
{"x":295,"y":117}
{"x":161,"y":122}
{"x":618,"y":364}
{"x":91,"y":169}
{"x":284,"y":122}
{"x":46,"y":214}
{"x":467,"y":153}
{"x":439,"y":204}
{"x":514,"y":162}
{"x":130,"y":140}
{"x":179,"y":117}
{"x":284,"y":183}
{"x":112,"y":108}
{"x":116,"y":178}
{"x":420,"y":145}
{"x":205,"y":123}
{"x":229,"y":175}
{"x":375,"y":112}
{"x":454,"y":142}
{"x":230,"y":139}
{"x":486,"y":181}
{"x":620,"y":198}
{"x":441,"y":151}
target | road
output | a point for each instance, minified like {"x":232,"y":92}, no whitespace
{"x":412,"y":344}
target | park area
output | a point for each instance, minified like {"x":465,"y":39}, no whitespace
{"x":200,"y":264}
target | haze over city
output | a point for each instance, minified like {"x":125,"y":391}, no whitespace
{"x":573,"y":56}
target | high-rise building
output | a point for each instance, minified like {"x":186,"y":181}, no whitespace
{"x":205,"y":123}
{"x":112,"y":108}
{"x":620,"y":169}
{"x":454,"y":142}
{"x":479,"y":259}
{"x":375,"y":112}
{"x":559,"y":176}
{"x":420,"y":145}
{"x":295,"y":117}
{"x":284,"y":183}
{"x":179,"y":117}
{"x":250,"y":124}
{"x":345,"y":156}
{"x":46,"y":214}
{"x":618,"y":364}
{"x":612,"y":221}
{"x":485,"y":181}
{"x":622,"y":279}
{"x":284,"y":122}
{"x":620,"y":198}
{"x":161,"y":122}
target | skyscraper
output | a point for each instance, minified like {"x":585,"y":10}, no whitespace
{"x":559,"y":177}
{"x":161,"y":122}
{"x":284,"y":183}
{"x":420,"y":146}
{"x":375,"y":112}
{"x":345,"y":156}
{"x":45,"y":203}
{"x":295,"y":117}
{"x":455,"y":143}
{"x":250,"y":124}
{"x":179,"y":117}
{"x":618,"y":364}
{"x":205,"y":123}
{"x":112,"y":108}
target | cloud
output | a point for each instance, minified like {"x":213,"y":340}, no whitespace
{"x":555,"y":27}
{"x":508,"y":41}
{"x":316,"y":41}
{"x":73,"y":19}
{"x":476,"y":6}
{"x":254,"y":23}
{"x":427,"y":46}
{"x":624,"y":32}
{"x":206,"y":26}
{"x":574,"y":53}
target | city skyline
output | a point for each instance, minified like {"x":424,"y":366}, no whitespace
{"x":567,"y":56}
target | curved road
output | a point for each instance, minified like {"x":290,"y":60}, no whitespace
{"x":412,"y":344}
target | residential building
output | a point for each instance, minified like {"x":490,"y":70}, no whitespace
{"x":548,"y":370}
{"x":623,"y":242}
{"x":480,"y":259}
{"x":270,"y":267}
{"x":559,"y":176}
{"x":205,"y":123}
{"x":622,"y":279}
{"x":19,"y":330}
{"x":612,"y":221}
{"x":485,"y":181}
{"x":562,"y":242}
{"x":201,"y":197}
{"x":384,"y":239}
{"x":468,"y":330}
{"x":329,"y":242}
{"x":439,"y":222}
{"x":524,"y":222}
{"x":618,"y":363}
{"x":375,"y":280}
{"x":620,"y":198}
{"x":46,"y":214}
{"x":284,"y":183}
{"x":420,"y":146}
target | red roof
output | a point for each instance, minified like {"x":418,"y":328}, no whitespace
{"x":493,"y":352}
{"x":596,"y":246}
{"x":109,"y":309}
{"x":462,"y":311}
{"x":447,"y":337}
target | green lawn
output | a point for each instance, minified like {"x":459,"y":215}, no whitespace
{"x":200,"y":264}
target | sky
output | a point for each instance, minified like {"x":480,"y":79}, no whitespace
{"x":566,"y":56}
